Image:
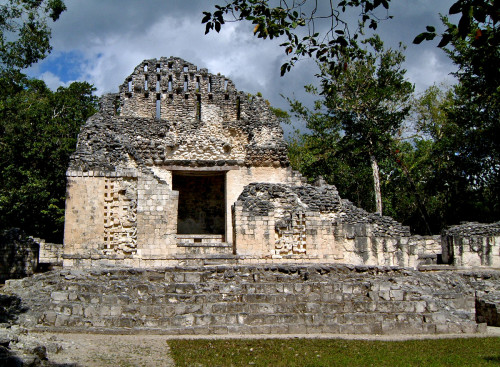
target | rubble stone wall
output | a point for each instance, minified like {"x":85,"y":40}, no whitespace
{"x":278,"y":223}
{"x":18,"y":254}
{"x":252,"y":299}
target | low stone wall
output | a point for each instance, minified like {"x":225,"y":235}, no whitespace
{"x":50,"y":254}
{"x":281,"y":299}
{"x":428,"y":250}
{"x":472,"y":245}
{"x":18,"y":254}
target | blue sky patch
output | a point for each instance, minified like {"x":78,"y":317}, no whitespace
{"x":66,"y":65}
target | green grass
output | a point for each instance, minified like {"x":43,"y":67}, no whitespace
{"x":335,"y":352}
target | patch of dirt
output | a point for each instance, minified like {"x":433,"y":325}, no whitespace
{"x":100,"y":350}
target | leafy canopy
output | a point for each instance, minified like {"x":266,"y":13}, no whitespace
{"x":24,"y":31}
{"x":38,"y":132}
{"x":354,"y":124}
{"x":300,"y":21}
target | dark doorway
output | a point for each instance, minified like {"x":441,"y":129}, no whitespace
{"x":201,"y":202}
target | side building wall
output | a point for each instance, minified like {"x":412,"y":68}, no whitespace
{"x":18,"y":254}
{"x":279,"y":223}
{"x":472,"y":245}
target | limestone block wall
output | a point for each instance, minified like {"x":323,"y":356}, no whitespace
{"x":18,"y":254}
{"x":237,"y":179}
{"x":428,"y":249}
{"x":472,"y":245}
{"x":50,"y":254}
{"x":84,"y":218}
{"x":280,"y":299}
{"x":156,"y":219}
{"x":277,"y":222}
{"x":180,"y":89}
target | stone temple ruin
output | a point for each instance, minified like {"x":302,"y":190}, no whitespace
{"x":181,"y":168}
{"x":184,"y":217}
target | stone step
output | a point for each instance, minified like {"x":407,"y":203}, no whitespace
{"x":204,"y":244}
{"x":209,"y":262}
{"x":205,"y":249}
{"x":244,"y":299}
{"x":200,"y":238}
{"x":206,"y":256}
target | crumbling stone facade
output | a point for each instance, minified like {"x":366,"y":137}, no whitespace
{"x":181,"y":168}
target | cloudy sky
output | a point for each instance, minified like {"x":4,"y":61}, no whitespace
{"x":101,"y":41}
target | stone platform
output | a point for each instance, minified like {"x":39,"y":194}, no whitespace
{"x":285,"y":299}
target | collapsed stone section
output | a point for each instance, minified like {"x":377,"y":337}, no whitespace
{"x":313,"y":222}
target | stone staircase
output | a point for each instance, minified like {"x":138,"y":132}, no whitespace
{"x":204,"y":249}
{"x":257,"y":299}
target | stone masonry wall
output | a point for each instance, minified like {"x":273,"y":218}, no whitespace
{"x":252,"y":299}
{"x":18,"y":254}
{"x":472,"y":245}
{"x":204,"y":121}
{"x":312,"y":223}
{"x":50,"y":254}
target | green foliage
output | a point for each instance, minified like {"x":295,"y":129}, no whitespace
{"x":478,"y":19}
{"x":336,"y":352}
{"x":467,"y":147}
{"x":24,"y":32}
{"x":38,"y":131}
{"x":289,"y":17}
{"x":361,"y":111}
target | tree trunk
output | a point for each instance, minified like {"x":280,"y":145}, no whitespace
{"x":376,"y":184}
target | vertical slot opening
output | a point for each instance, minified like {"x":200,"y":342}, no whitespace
{"x":225,"y":85}
{"x":185,"y":83}
{"x":238,"y":108}
{"x":146,"y":82}
{"x":170,"y":83}
{"x":198,"y":83}
{"x":145,"y":68}
{"x":198,"y":107}
{"x":185,"y":68}
{"x":130,"y":85}
{"x":158,"y":83}
{"x":157,"y":68}
{"x":158,"y":106}
{"x":209,"y":84}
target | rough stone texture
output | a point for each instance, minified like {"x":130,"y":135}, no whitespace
{"x":281,"y":299}
{"x":472,"y":244}
{"x":173,"y":125}
{"x":167,"y":117}
{"x":50,"y":254}
{"x":18,"y":254}
{"x":312,"y":222}
{"x":127,"y":131}
{"x":18,"y":348}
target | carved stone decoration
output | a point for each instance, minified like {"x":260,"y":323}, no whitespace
{"x":291,"y":235}
{"x":120,"y":214}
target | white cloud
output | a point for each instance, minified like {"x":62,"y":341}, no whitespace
{"x":53,"y":81}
